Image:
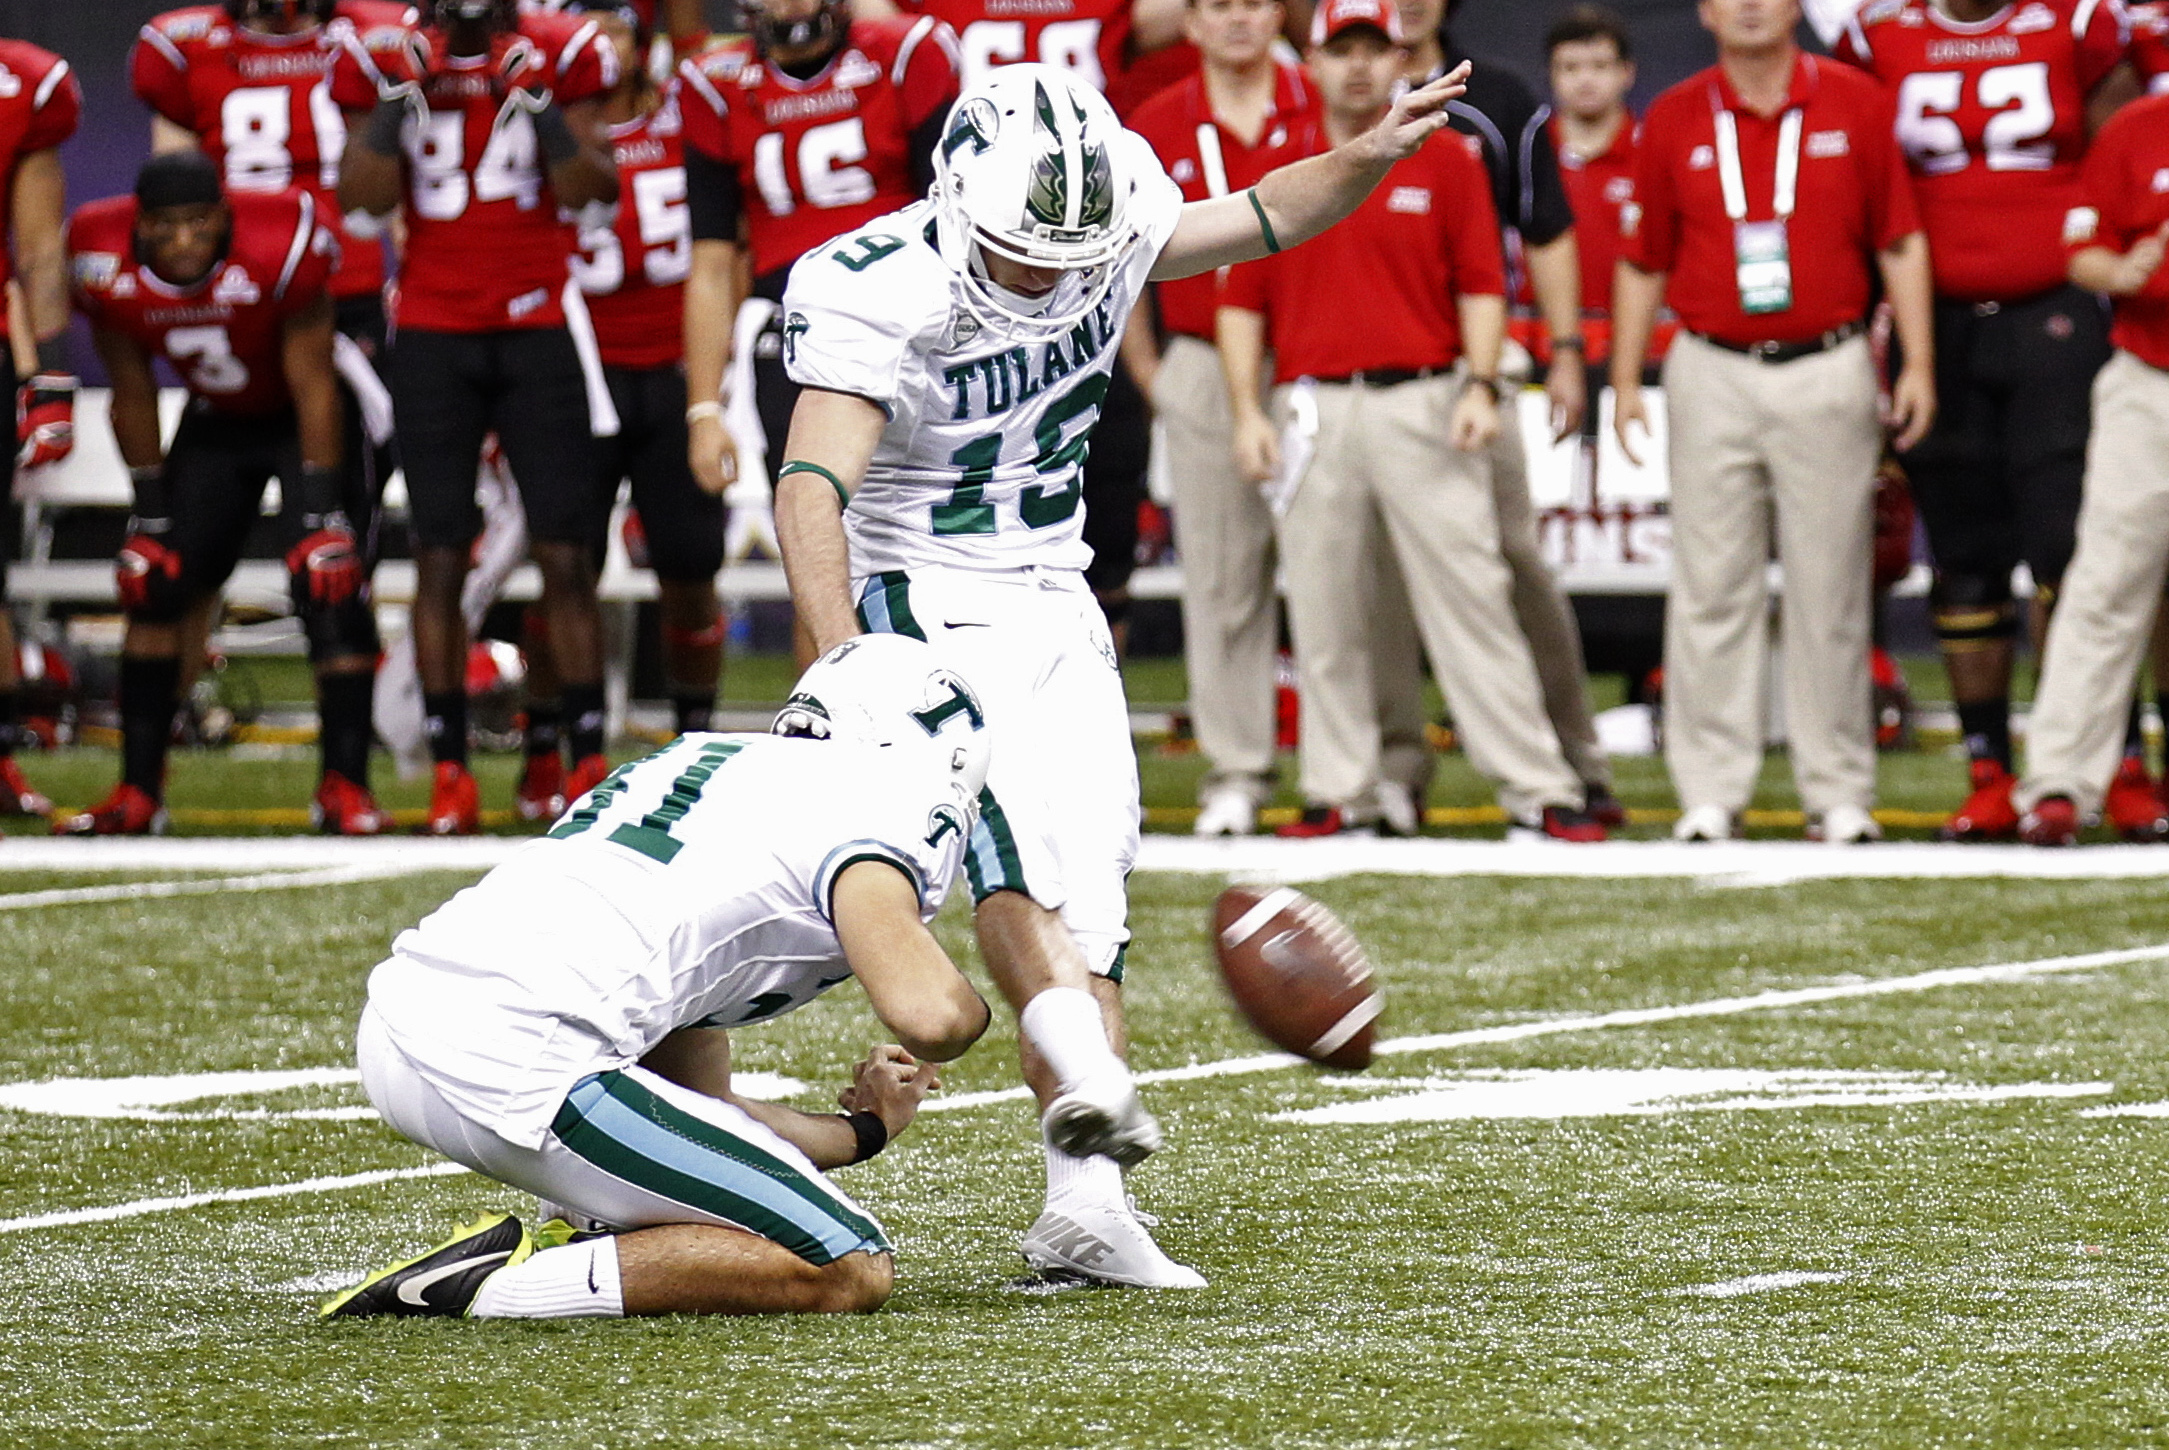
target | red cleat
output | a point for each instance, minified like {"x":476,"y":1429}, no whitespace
{"x":587,"y":773}
{"x":1564,"y":823}
{"x":455,"y":806}
{"x":2132,"y":806}
{"x":128,"y":811}
{"x":1314,"y":822}
{"x":1988,"y":814}
{"x":541,"y":794}
{"x":342,"y":808}
{"x":2053,"y":821}
{"x":16,"y":796}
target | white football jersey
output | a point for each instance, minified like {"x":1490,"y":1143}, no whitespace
{"x":982,"y":463}
{"x":689,"y":888}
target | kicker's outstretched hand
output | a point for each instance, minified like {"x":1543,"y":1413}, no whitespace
{"x":1414,"y":118}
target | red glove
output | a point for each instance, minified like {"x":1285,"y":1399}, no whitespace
{"x":329,"y":561}
{"x":45,"y":419}
{"x":148,"y":574}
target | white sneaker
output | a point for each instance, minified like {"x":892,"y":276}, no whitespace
{"x":1103,"y":1244}
{"x":1226,"y":811}
{"x":1103,"y":1116}
{"x":1398,"y":814}
{"x":1844,"y":826}
{"x":1706,"y":823}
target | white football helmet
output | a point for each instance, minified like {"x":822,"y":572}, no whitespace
{"x":888,"y":690}
{"x":1032,"y":167}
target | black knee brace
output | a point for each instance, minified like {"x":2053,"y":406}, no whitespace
{"x":1972,"y":610}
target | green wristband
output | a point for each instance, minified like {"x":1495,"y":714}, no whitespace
{"x":1272,"y":243}
{"x":800,"y":465}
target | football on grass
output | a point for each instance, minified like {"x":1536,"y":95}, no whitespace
{"x":1296,"y":973}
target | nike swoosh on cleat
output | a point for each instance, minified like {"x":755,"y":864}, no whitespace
{"x":410,"y":1290}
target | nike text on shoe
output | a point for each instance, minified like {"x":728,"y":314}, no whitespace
{"x":1102,"y":1244}
{"x":443,"y":1281}
{"x":1103,"y":1118}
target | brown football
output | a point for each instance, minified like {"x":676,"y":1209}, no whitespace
{"x":1296,"y":973}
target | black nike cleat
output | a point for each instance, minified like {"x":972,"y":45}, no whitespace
{"x":443,"y":1281}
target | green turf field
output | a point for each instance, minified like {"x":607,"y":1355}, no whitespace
{"x":1588,"y":1233}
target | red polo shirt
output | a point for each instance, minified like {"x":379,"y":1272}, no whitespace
{"x":1178,"y":122}
{"x":1377,"y":292}
{"x":1598,"y":188}
{"x":1854,"y":200}
{"x":2124,"y":195}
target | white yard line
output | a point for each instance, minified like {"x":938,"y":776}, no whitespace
{"x":1268,"y":1062}
{"x":212,"y":886}
{"x":1737,"y":863}
{"x":1636,"y":1017}
{"x":1760,"y":1284}
{"x":141,"y":1206}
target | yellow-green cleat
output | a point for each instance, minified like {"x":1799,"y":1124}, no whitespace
{"x":443,"y":1281}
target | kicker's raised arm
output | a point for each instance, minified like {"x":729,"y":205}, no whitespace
{"x":1296,"y":202}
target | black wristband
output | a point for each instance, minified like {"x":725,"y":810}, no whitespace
{"x":873,"y":1134}
{"x":317,"y":491}
{"x":383,"y":131}
{"x":152,"y":514}
{"x":53,"y":354}
{"x":555,"y":137}
{"x":1489,"y":385}
{"x":1569,"y":344}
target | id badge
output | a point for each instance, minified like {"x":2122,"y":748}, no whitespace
{"x":1763,"y":256}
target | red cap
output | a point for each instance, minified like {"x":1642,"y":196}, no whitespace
{"x":1335,"y":16}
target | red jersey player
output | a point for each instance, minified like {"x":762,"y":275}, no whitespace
{"x":478,"y":127}
{"x":2150,"y":44}
{"x":1992,"y":116}
{"x":813,"y":126}
{"x":634,"y":274}
{"x":232,"y":293}
{"x":39,"y":107}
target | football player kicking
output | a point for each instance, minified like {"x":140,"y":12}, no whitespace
{"x":232,"y":292}
{"x":559,"y":1027}
{"x":953,"y":356}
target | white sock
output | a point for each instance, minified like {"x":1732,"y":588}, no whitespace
{"x":573,"y":1281}
{"x":1096,"y":1180}
{"x":1064,"y":1023}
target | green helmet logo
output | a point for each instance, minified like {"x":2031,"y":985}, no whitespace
{"x":1048,"y":195}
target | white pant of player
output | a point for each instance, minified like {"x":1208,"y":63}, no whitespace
{"x":1060,"y":817}
{"x":631,"y":1150}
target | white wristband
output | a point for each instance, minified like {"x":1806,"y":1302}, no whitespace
{"x":709,"y":409}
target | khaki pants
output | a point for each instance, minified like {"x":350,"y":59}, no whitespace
{"x":1230,"y":616}
{"x":1545,"y":616}
{"x":2106,"y":607}
{"x":1758,"y":449}
{"x":1384,"y":480}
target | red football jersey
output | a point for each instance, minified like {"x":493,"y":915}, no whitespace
{"x":817,"y":157}
{"x":2150,"y":44}
{"x":1425,"y":236}
{"x":634,"y":272}
{"x":261,"y":106}
{"x":1992,"y":116}
{"x":1598,"y":188}
{"x":486,"y":247}
{"x":39,"y":106}
{"x":1206,"y":160}
{"x":1090,"y":37}
{"x":2122,"y":199}
{"x":223,"y":335}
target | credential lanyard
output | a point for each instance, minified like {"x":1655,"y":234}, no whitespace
{"x":1729,"y":175}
